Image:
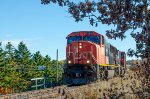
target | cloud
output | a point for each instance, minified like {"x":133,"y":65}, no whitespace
{"x":15,"y":42}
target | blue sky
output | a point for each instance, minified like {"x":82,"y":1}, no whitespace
{"x":44,"y":27}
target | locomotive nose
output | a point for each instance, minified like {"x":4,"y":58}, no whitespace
{"x":81,"y":52}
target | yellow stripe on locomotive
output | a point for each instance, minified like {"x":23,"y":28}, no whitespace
{"x":109,"y":65}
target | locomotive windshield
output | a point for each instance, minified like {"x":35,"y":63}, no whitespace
{"x":74,"y":38}
{"x":94,"y":39}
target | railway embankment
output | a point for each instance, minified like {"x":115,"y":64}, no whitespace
{"x":134,"y":85}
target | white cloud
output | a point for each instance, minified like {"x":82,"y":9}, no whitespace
{"x":15,"y":42}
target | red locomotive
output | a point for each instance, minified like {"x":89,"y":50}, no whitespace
{"x":89,"y":57}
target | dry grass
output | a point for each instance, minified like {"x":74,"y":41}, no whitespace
{"x":133,"y":86}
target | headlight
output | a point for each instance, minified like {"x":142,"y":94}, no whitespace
{"x":69,"y":61}
{"x":87,"y":61}
{"x":80,"y":46}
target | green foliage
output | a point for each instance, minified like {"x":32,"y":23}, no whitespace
{"x":23,"y":55}
{"x":37,"y":59}
{"x":19,"y":66}
{"x":9,"y":78}
{"x":10,"y":54}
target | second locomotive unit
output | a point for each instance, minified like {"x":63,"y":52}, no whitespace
{"x":89,"y":57}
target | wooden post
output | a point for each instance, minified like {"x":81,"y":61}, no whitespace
{"x":57,"y":66}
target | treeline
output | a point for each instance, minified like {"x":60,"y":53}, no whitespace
{"x":18,"y":66}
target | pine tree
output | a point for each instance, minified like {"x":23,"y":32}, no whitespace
{"x":22,"y":55}
{"x":10,"y":78}
{"x":10,"y":54}
{"x":47,"y":61}
{"x":23,"y":59}
{"x":37,"y":59}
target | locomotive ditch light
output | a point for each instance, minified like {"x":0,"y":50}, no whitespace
{"x":69,"y":62}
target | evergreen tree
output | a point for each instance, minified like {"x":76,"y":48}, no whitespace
{"x":10,"y":79}
{"x":37,"y":59}
{"x":10,"y":54}
{"x":23,"y":55}
{"x":16,"y":71}
{"x":47,"y":61}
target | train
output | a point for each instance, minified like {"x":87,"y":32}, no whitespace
{"x":89,"y":57}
